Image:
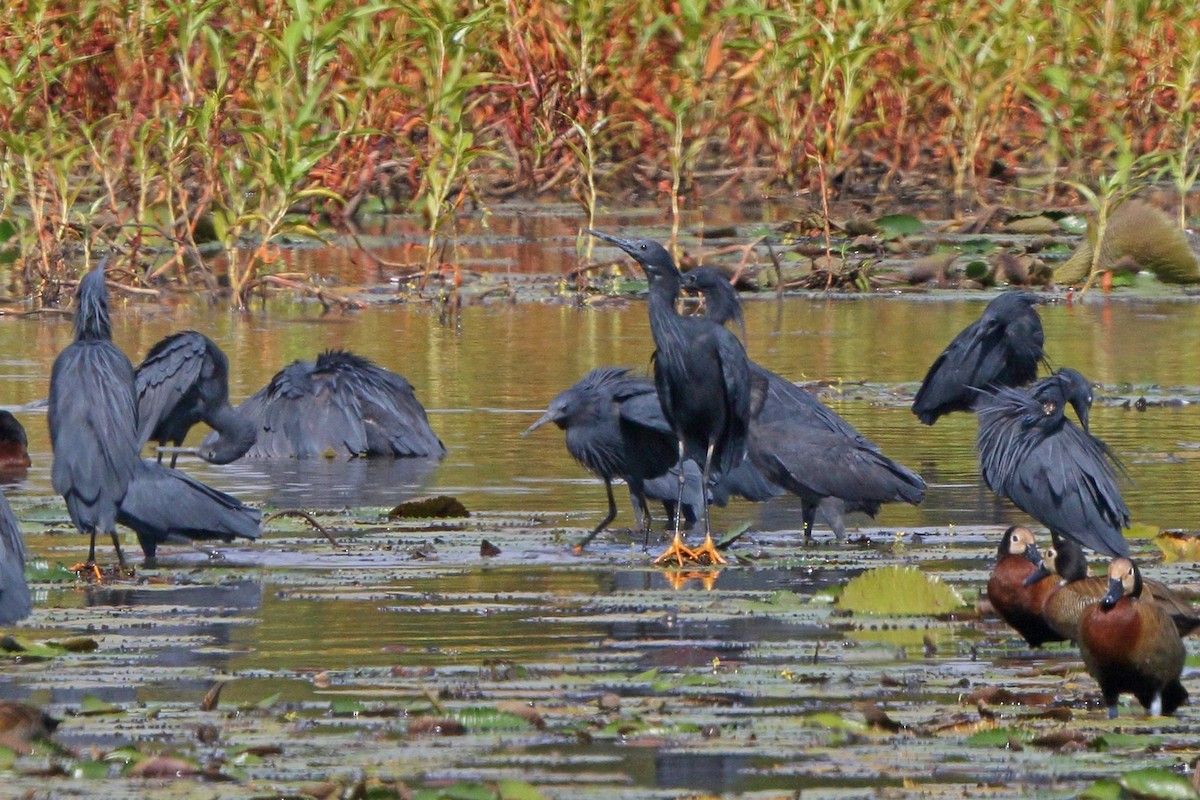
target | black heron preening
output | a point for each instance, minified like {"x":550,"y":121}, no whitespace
{"x":1050,"y":468}
{"x":340,"y":405}
{"x":184,"y":379}
{"x":703,"y":379}
{"x":92,"y":416}
{"x":15,"y":602}
{"x":615,"y":428}
{"x":163,"y":504}
{"x":1002,"y":348}
{"x":802,"y":445}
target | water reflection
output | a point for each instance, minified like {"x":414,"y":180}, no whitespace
{"x":331,"y":483}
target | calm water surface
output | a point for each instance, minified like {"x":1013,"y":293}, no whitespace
{"x":486,"y":379}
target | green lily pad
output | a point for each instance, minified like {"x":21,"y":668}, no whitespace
{"x":1158,"y":784}
{"x":894,"y":226}
{"x":898,"y":591}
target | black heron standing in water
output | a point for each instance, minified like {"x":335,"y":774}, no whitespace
{"x":341,"y":405}
{"x":184,"y":379}
{"x":1001,"y":348}
{"x":1050,"y":468}
{"x":15,"y":602}
{"x":615,"y":428}
{"x":703,"y":381}
{"x":92,"y":416}
{"x":162,"y":504}
{"x":802,"y":445}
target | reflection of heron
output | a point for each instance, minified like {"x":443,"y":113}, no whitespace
{"x":1002,"y":348}
{"x":93,"y":419}
{"x":340,"y":405}
{"x":703,"y":381}
{"x":1053,"y":470}
{"x":184,"y":379}
{"x":799,"y":443}
{"x":163,"y":503}
{"x":15,"y":602}
{"x":615,"y":428}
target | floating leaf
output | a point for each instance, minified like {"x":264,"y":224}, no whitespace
{"x":345,"y":707}
{"x":827,"y":719}
{"x":518,"y":790}
{"x":998,"y":737}
{"x":1107,"y":789}
{"x":437,"y":507}
{"x":894,"y":226}
{"x":92,"y":706}
{"x":91,"y":770}
{"x":1141,"y":530}
{"x":1158,"y":784}
{"x":1177,"y":546}
{"x":901,"y":591}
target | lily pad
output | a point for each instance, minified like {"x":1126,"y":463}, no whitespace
{"x":899,"y":591}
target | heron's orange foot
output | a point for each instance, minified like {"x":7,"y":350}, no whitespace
{"x":708,"y":553}
{"x":88,"y":571}
{"x":678,"y":551}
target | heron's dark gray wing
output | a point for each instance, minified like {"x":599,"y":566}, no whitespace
{"x":825,"y":464}
{"x":942,"y":389}
{"x":15,"y":600}
{"x":394,"y":420}
{"x":644,"y":410}
{"x":92,"y":415}
{"x":735,"y":373}
{"x":172,"y":367}
{"x":1052,"y":470}
{"x":787,"y":401}
{"x":745,"y":481}
{"x":1024,"y":342}
{"x":162,"y":503}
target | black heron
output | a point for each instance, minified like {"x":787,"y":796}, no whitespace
{"x":15,"y":602}
{"x":799,"y":443}
{"x":92,"y":416}
{"x":162,"y":504}
{"x":615,"y":428}
{"x":1050,"y":468}
{"x":340,"y":405}
{"x":184,"y":379}
{"x":703,"y":379}
{"x":1002,"y":348}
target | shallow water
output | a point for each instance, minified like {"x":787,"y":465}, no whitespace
{"x":736,"y":684}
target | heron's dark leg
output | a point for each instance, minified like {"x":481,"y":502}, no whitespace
{"x":174,"y":458}
{"x":89,"y":566}
{"x":708,"y":549}
{"x":678,"y":550}
{"x":833,"y":510}
{"x":117,"y":544}
{"x":612,"y":514}
{"x":808,"y":513}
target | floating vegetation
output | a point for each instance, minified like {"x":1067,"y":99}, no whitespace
{"x":899,"y":591}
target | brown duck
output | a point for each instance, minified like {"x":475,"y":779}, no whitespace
{"x":1018,"y":590}
{"x":1064,"y":608}
{"x":1130,"y":644}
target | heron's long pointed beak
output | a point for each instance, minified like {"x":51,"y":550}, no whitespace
{"x":1115,"y":590}
{"x":617,"y":241}
{"x":547,"y":417}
